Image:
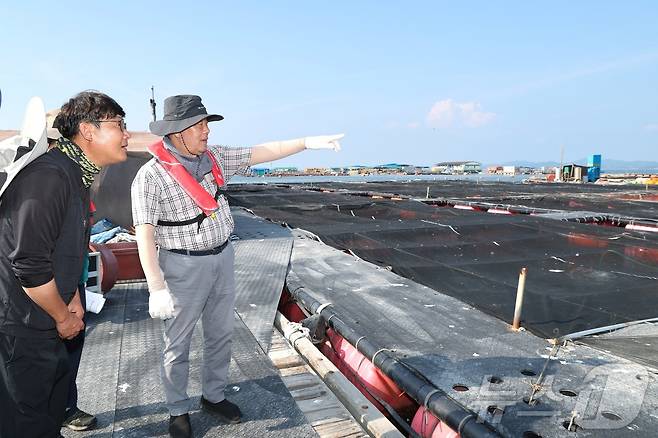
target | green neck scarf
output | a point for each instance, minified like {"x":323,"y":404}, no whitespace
{"x":73,"y":151}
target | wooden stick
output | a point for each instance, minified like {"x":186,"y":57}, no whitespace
{"x":519,"y":299}
{"x":365,"y":413}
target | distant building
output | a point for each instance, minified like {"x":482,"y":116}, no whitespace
{"x":457,"y":167}
{"x":574,"y":173}
{"x":514,"y":170}
{"x":358,"y":170}
{"x":317,"y":171}
{"x":260,"y":171}
{"x":395,"y":168}
{"x":580,"y":173}
{"x":279,"y":171}
{"x":594,"y":167}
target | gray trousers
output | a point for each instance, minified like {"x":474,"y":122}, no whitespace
{"x":201,"y":287}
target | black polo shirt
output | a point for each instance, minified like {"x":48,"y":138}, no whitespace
{"x":43,"y":235}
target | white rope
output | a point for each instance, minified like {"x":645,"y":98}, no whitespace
{"x":295,"y":327}
{"x":441,"y":225}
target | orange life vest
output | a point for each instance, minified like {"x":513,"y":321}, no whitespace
{"x":203,"y":199}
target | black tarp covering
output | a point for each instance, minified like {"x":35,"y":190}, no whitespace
{"x":579,"y":276}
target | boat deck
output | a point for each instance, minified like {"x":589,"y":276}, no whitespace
{"x":119,"y":378}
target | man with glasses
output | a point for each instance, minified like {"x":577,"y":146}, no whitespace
{"x":75,"y":418}
{"x":177,"y":203}
{"x":120,"y":123}
{"x":44,"y":234}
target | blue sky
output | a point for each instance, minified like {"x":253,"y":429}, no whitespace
{"x":414,"y":82}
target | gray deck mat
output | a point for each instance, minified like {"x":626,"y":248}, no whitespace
{"x":262,"y":252}
{"x":119,"y":379}
{"x":451,"y":343}
{"x":638,"y":343}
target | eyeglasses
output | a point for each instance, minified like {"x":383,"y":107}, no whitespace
{"x":120,"y":122}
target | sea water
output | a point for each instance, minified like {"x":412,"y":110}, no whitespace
{"x":311,"y":179}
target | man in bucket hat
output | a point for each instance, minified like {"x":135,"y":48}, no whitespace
{"x":44,"y":216}
{"x":177,"y":202}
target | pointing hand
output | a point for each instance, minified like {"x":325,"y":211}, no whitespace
{"x":323,"y":142}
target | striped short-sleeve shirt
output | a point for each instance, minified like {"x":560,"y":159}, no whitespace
{"x":155,"y":195}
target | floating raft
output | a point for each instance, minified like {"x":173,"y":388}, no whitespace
{"x":454,"y":335}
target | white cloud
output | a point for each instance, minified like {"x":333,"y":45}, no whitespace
{"x":442,"y":114}
{"x":651,"y":127}
{"x":446,"y":113}
{"x":413,"y":125}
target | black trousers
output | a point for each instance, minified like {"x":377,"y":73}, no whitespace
{"x":74,"y":348}
{"x":34,"y":382}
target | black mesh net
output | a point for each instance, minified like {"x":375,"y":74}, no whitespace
{"x":579,"y":276}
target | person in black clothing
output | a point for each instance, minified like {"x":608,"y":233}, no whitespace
{"x":75,"y":418}
{"x":44,"y":234}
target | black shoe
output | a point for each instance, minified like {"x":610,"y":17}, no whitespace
{"x":79,"y":420}
{"x":224,"y":409}
{"x":179,"y":426}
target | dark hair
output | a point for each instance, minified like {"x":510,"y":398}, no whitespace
{"x":88,"y":106}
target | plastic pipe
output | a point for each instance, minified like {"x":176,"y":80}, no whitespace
{"x":608,"y":328}
{"x":457,"y":417}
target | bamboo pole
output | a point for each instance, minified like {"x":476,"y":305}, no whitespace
{"x":520,"y":291}
{"x":365,"y":413}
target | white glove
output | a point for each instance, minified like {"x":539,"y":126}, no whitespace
{"x":323,"y":142}
{"x":160,"y":304}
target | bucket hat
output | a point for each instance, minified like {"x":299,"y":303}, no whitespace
{"x":18,"y":151}
{"x":181,"y":112}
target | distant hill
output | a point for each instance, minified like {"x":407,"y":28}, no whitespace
{"x":629,"y":165}
{"x":608,"y":165}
